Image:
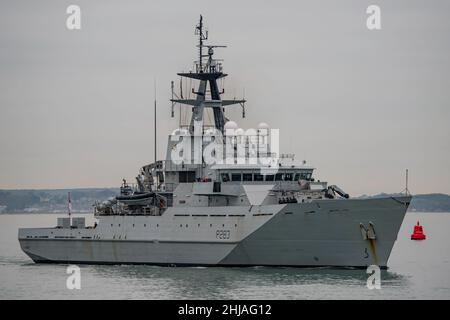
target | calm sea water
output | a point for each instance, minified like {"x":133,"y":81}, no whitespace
{"x":418,"y":270}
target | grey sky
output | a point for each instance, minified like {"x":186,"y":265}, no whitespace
{"x":360,"y":105}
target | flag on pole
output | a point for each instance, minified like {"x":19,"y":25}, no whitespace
{"x":69,"y":204}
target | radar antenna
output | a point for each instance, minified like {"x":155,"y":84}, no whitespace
{"x":207,"y":70}
{"x":202,"y":36}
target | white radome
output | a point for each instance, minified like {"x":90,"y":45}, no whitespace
{"x":239,"y":132}
{"x":230,"y":125}
{"x":263,"y":129}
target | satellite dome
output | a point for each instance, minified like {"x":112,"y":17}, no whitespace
{"x":230,"y":125}
{"x":263,"y":125}
{"x":239,"y":132}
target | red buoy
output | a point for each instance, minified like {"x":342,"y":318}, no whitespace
{"x":418,"y":233}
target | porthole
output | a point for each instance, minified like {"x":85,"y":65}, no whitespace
{"x":111,"y":224}
{"x":210,"y":225}
{"x":186,"y":226}
{"x":199,"y":224}
{"x":223,"y":225}
{"x":145,"y":225}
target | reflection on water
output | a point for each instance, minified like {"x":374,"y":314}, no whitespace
{"x":251,"y":283}
{"x":417,"y":270}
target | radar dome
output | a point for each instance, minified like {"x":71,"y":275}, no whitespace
{"x":263,"y":125}
{"x":239,"y":132}
{"x":230,"y":125}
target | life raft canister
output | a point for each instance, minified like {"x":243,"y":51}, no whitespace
{"x":418,"y":232}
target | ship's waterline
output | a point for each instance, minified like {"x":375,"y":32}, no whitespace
{"x":417,"y":270}
{"x":297,"y":235}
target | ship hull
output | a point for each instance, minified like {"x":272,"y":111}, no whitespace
{"x":320,"y":233}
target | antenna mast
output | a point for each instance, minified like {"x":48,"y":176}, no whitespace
{"x":406,"y":184}
{"x":207,"y":73}
{"x":406,"y":189}
{"x":201,"y":37}
{"x":155,"y":120}
{"x":69,"y":204}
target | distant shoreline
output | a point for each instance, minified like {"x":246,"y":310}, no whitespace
{"x":55,"y":200}
{"x":43,"y":212}
{"x":84,"y":212}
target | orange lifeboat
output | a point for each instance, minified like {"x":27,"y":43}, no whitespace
{"x":418,"y":232}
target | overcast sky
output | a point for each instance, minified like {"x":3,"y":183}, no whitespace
{"x":359,"y":105}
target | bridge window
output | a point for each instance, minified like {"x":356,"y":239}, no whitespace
{"x":258,"y":177}
{"x":297,"y":177}
{"x":225,"y":177}
{"x":270,"y":177}
{"x":236,"y":177}
{"x":288,"y":177}
{"x":305,"y":175}
{"x":247,"y":177}
{"x":186,"y":176}
{"x":279,"y":177}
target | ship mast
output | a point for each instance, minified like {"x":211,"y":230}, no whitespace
{"x":154,"y":124}
{"x":207,"y":70}
{"x":201,"y":36}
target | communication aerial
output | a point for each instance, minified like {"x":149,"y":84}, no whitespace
{"x":207,"y":70}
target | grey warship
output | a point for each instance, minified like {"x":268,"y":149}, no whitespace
{"x":235,"y":212}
